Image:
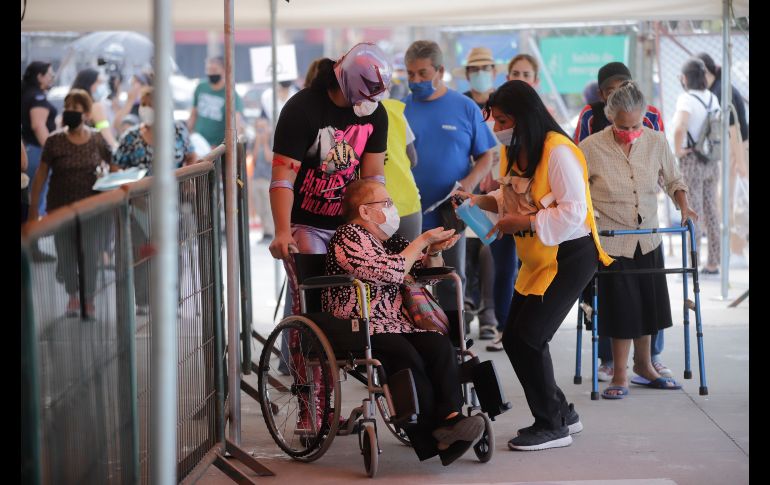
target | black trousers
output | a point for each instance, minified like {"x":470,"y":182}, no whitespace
{"x":433,"y":361}
{"x":532,"y":322}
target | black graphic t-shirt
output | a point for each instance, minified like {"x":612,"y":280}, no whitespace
{"x":330,"y":142}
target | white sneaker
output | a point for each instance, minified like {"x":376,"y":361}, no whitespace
{"x":605,"y":372}
{"x":662,"y":369}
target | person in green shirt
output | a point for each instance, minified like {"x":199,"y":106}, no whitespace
{"x":207,"y":116}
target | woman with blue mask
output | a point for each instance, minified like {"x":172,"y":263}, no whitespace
{"x":90,"y":81}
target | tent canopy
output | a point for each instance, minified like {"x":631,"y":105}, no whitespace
{"x":89,"y":15}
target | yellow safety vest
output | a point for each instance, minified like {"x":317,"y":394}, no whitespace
{"x":538,"y":261}
{"x":399,"y":180}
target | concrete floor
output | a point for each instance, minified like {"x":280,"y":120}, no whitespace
{"x":654,"y":437}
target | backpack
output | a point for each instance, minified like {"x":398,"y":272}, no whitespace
{"x":708,"y":146}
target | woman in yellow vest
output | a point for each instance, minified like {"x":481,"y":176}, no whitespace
{"x":544,"y":201}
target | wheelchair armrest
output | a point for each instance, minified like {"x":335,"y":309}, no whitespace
{"x":326,"y":281}
{"x":423,"y":274}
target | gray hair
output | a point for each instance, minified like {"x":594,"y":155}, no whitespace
{"x":628,"y":97}
{"x":425,"y":49}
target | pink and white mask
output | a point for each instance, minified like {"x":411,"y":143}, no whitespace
{"x":627,"y":137}
{"x":364,"y":75}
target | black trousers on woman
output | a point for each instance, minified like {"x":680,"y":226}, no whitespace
{"x":532,"y":322}
{"x":433,"y":361}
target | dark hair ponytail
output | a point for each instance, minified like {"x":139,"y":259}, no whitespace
{"x":325,"y":78}
{"x":34,"y":69}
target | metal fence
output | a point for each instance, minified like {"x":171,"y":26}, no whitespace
{"x":87,"y":333}
{"x":81,"y":413}
{"x":199,"y":313}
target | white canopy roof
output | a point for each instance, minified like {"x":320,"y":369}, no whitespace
{"x":89,"y":15}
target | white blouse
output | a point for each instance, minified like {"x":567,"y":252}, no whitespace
{"x":567,"y":220}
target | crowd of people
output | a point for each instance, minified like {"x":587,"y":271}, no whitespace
{"x":370,"y":173}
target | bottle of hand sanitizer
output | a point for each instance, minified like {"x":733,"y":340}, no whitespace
{"x":476,"y":220}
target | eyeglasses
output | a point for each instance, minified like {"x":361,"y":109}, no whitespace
{"x":488,"y":67}
{"x":388,"y":202}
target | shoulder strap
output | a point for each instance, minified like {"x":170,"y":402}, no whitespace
{"x":701,"y":101}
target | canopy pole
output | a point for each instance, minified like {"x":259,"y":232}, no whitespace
{"x":164,"y":283}
{"x":726,"y":102}
{"x":277,"y":267}
{"x":231,"y":227}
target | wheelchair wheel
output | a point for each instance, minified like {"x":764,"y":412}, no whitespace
{"x":300,"y":393}
{"x":369,"y":449}
{"x":486,"y":444}
{"x":382,"y":406}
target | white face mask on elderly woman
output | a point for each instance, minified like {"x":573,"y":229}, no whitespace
{"x":392,"y":220}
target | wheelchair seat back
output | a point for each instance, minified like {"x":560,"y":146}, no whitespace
{"x":346,"y":336}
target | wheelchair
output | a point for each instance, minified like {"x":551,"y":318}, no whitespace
{"x":300,"y":396}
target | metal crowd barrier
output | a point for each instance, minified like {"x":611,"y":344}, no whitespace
{"x":86,"y":369}
{"x":79,"y":407}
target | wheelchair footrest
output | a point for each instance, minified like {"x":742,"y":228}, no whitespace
{"x":488,"y":389}
{"x":404,"y":395}
{"x":466,"y":369}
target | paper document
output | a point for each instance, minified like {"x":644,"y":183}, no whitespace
{"x":433,"y":207}
{"x":116,"y":179}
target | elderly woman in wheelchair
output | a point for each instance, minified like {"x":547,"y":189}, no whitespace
{"x":417,"y":378}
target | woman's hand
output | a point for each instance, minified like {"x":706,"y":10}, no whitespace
{"x":443,"y":245}
{"x":688,"y":213}
{"x":436,"y":235}
{"x":509,"y":224}
{"x":459,"y":196}
{"x":681,"y":152}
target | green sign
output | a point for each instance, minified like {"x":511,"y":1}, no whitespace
{"x":573,"y":62}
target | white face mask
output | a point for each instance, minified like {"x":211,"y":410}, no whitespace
{"x":392,"y":221}
{"x":147,"y":115}
{"x":364,"y":108}
{"x":505,"y":136}
{"x":101,"y":92}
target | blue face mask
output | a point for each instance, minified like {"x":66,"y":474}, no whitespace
{"x":422,"y":90}
{"x":481,"y":81}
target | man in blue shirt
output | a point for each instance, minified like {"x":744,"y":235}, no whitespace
{"x":453,"y":145}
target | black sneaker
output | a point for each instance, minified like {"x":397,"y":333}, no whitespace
{"x":455,"y":451}
{"x":573,"y":422}
{"x":541,"y":439}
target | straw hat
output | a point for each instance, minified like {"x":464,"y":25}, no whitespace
{"x":479,"y":56}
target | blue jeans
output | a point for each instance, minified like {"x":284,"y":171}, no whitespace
{"x":506,"y":270}
{"x":605,"y":348}
{"x":33,"y":159}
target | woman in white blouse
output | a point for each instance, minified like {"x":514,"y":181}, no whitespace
{"x":625,"y":161}
{"x":702,"y":177}
{"x":544,"y":202}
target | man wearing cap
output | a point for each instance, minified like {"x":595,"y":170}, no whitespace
{"x":593,"y":120}
{"x":450,"y":133}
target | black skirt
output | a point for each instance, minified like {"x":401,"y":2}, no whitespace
{"x":631,"y":306}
